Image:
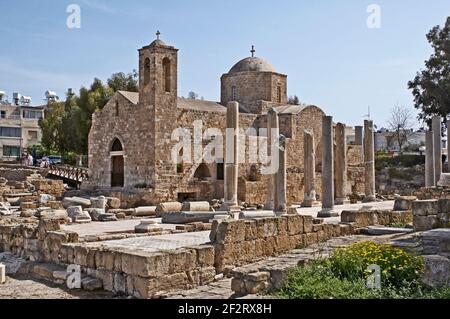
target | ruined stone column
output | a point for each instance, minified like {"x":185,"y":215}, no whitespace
{"x":429,"y":160}
{"x":231,"y":159}
{"x":273,"y":129}
{"x":327,"y":169}
{"x":309,"y":156}
{"x":437,"y":145}
{"x":280,"y":179}
{"x":358,"y":135}
{"x":448,"y":146}
{"x":340,"y":168}
{"x":369,"y":162}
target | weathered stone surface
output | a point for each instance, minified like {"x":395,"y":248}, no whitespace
{"x":256,"y":214}
{"x":76,"y":201}
{"x":196,"y":207}
{"x":437,"y":271}
{"x":2,"y":274}
{"x":425,"y":207}
{"x":91,"y":284}
{"x":187,"y":217}
{"x":379,"y":231}
{"x":98,"y":202}
{"x":107,"y":218}
{"x":423,"y":223}
{"x":95,"y":213}
{"x":168,"y":207}
{"x":77,"y":214}
{"x":404,"y":203}
{"x":145,"y":211}
{"x":113,"y":202}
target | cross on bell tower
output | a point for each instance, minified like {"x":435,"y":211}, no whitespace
{"x":158,"y":34}
{"x":252,"y":51}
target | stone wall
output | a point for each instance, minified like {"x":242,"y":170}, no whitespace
{"x":19,"y":173}
{"x":431,"y":214}
{"x":130,"y":272}
{"x":239,"y":242}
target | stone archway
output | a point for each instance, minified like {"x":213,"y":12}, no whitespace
{"x":117,"y":164}
{"x":202,"y":173}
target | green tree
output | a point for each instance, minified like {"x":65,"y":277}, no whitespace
{"x":67,"y":124}
{"x":124,"y":82}
{"x":431,"y":86}
{"x":53,"y":134}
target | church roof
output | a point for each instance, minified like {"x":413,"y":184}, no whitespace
{"x":200,"y":105}
{"x":290,"y":109}
{"x":133,"y":97}
{"x":252,"y":64}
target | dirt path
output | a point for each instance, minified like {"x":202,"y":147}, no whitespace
{"x":26,"y":287}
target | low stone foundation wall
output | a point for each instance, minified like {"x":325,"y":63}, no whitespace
{"x":376,"y":217}
{"x":431,"y":214}
{"x":129,"y":272}
{"x":239,"y":242}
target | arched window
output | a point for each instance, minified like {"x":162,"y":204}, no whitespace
{"x":146,"y":71}
{"x":233,"y":93}
{"x":117,"y":108}
{"x":166,"y":71}
{"x":279,"y":93}
{"x":116,"y":146}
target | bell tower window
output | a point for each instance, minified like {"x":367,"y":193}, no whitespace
{"x":147,"y":71}
{"x":233,"y":93}
{"x":279,"y":94}
{"x":166,"y":72}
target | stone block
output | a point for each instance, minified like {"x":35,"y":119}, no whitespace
{"x":437,"y":271}
{"x":98,"y":202}
{"x":195,"y":207}
{"x":403,"y":203}
{"x":145,"y":265}
{"x":187,"y":217}
{"x":230,"y":231}
{"x":144,"y":211}
{"x":307,"y":224}
{"x":76,"y":201}
{"x":423,"y":223}
{"x":294,"y":224}
{"x":113,"y":202}
{"x":425,"y":207}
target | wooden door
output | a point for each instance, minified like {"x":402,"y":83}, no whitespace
{"x":117,"y":173}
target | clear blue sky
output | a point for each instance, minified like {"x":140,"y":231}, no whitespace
{"x":332,"y":58}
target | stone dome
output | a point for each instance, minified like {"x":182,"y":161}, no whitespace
{"x":252,"y":64}
{"x":158,"y":43}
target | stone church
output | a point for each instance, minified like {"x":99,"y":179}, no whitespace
{"x":130,"y":140}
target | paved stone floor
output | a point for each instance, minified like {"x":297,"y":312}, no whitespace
{"x":313,"y":211}
{"x":102,"y":228}
{"x":159,"y":242}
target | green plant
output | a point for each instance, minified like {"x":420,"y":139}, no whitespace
{"x":397,"y":266}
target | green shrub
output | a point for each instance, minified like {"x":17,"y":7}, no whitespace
{"x":397,"y":266}
{"x":384,"y":161}
{"x":317,"y":281}
{"x":344,"y":276}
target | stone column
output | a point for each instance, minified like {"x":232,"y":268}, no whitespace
{"x":369,"y":162}
{"x":273,"y":129}
{"x":429,"y":160}
{"x":327,"y":169}
{"x":437,"y":141}
{"x":309,"y":163}
{"x":340,"y":168}
{"x":358,"y":135}
{"x":280,"y":179}
{"x":231,"y":159}
{"x":448,"y":146}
